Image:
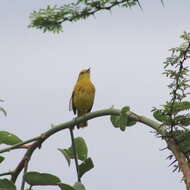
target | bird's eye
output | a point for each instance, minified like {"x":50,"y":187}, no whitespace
{"x":82,"y":73}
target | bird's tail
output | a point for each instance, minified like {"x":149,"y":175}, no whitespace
{"x":82,"y":125}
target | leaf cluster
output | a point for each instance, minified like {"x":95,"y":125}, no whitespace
{"x":34,"y":178}
{"x":176,"y":69}
{"x":182,"y":137}
{"x":51,"y":18}
{"x":163,"y":115}
{"x":175,"y":112}
{"x":81,"y":153}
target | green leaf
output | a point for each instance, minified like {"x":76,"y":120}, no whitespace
{"x":81,"y":148}
{"x":79,"y":186}
{"x":36,"y":178}
{"x":125,"y":109}
{"x":85,"y":166}
{"x":183,"y":140}
{"x":1,"y":158}
{"x":185,"y":145}
{"x":64,"y":186}
{"x":119,"y":121}
{"x":122,"y":121}
{"x":126,"y":120}
{"x":182,"y":120}
{"x":67,"y":154}
{"x":115,"y":120}
{"x":161,"y":116}
{"x":6,"y":184}
{"x":9,"y":138}
{"x":131,"y":122}
{"x":177,"y":107}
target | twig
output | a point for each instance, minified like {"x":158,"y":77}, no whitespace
{"x":172,"y":163}
{"x":6,"y":173}
{"x":173,"y":100}
{"x":139,"y":5}
{"x":166,"y":148}
{"x":162,"y":3}
{"x":93,"y":8}
{"x":23,"y":163}
{"x":75,"y":153}
{"x":25,"y":171}
{"x":19,"y":145}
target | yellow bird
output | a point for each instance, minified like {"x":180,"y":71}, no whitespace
{"x":82,"y":98}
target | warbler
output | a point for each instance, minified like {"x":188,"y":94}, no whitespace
{"x":82,"y":98}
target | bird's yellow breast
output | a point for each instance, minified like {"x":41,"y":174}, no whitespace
{"x":84,"y":96}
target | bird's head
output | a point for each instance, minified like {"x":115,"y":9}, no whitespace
{"x":84,"y":74}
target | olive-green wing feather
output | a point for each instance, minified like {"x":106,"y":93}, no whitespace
{"x":93,"y":94}
{"x":90,"y":107}
{"x":71,"y":104}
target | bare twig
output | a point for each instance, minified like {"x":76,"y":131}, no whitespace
{"x":25,"y":171}
{"x":19,"y":145}
{"x":162,"y":3}
{"x":75,"y":153}
{"x":6,"y":173}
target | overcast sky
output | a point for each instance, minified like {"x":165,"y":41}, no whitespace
{"x":125,"y":49}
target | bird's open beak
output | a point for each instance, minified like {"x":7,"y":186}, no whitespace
{"x":88,"y":69}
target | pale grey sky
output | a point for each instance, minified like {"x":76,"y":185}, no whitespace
{"x":125,"y":50}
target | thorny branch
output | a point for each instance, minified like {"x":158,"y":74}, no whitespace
{"x":172,"y":116}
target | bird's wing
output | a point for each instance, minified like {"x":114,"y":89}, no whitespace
{"x":71,"y":104}
{"x":93,"y":95}
{"x":90,"y":108}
